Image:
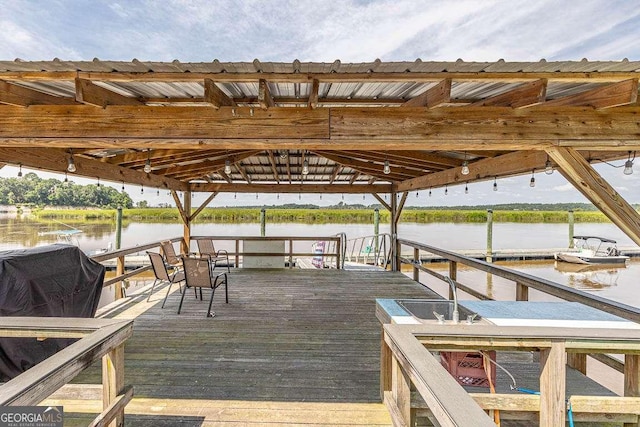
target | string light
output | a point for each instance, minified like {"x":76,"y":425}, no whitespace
{"x":387,"y":168}
{"x":305,"y":167}
{"x":158,"y":193}
{"x":628,"y":165}
{"x":495,"y":184}
{"x":20,"y":170}
{"x":227,"y":166}
{"x":299,"y":196}
{"x":235,"y":195}
{"x":466,"y":188}
{"x":320,"y":196}
{"x":532,"y":181}
{"x":256,"y":195}
{"x":283,"y":154}
{"x":465,"y":165}
{"x":446,"y":190}
{"x":417,"y":193}
{"x":278,"y":196}
{"x":342,"y":196}
{"x":142,"y":189}
{"x":71,"y":165}
{"x":66,"y":179}
{"x":429,"y":192}
{"x":147,"y":165}
{"x":363,"y":197}
{"x":548,"y":167}
{"x":122,"y":184}
{"x":98,"y":185}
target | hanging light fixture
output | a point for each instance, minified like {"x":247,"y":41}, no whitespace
{"x":235,"y":195}
{"x":363,"y":197}
{"x":465,"y":165}
{"x":71,"y":165}
{"x":466,"y":188}
{"x":299,"y":196}
{"x":387,"y":168}
{"x":20,"y":170}
{"x":66,"y":178}
{"x":417,"y":194}
{"x":141,"y":189}
{"x":628,"y":165}
{"x":227,"y":166}
{"x":548,"y":167}
{"x":98,"y":184}
{"x":158,"y":193}
{"x":321,"y":196}
{"x":283,"y":154}
{"x":429,"y":192}
{"x":495,"y":184}
{"x":305,"y":167}
{"x":122,"y":186}
{"x":342,"y":196}
{"x":446,"y":190}
{"x":278,"y":196}
{"x":147,"y":165}
{"x":256,"y":195}
{"x":532,"y":181}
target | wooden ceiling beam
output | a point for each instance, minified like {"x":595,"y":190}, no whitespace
{"x":587,"y":181}
{"x":438,"y":161}
{"x":264,"y":95}
{"x":57,"y":160}
{"x":507,"y":165}
{"x":159,"y":156}
{"x":526,"y":94}
{"x":432,"y":97}
{"x":313,"y":95}
{"x":294,"y":188}
{"x":403,"y":161}
{"x":611,"y":95}
{"x":21,"y":96}
{"x":87,"y":92}
{"x":208,"y":166}
{"x":369,"y":168}
{"x":274,"y":168}
{"x":215,"y":96}
{"x":353,"y":128}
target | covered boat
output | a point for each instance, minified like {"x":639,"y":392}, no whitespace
{"x":592,"y":250}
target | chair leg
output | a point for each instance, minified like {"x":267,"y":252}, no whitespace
{"x":226,"y":288}
{"x":167,"y":295}
{"x":151,"y":291}
{"x":182,"y":297}
{"x":209,"y":313}
{"x":200,"y":294}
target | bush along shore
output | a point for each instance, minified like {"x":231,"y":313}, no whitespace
{"x":320,"y":216}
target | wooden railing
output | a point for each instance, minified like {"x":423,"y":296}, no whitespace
{"x":523,"y":282}
{"x":406,"y":361}
{"x":98,"y":339}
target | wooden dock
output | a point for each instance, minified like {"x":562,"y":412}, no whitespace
{"x":292,"y":347}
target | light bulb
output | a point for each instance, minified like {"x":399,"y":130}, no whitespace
{"x":466,"y":189}
{"x":157,"y":192}
{"x":628,"y":167}
{"x":71,"y":166}
{"x":465,"y":168}
{"x":98,"y":184}
{"x":19,"y":171}
{"x":429,"y":192}
{"x":387,"y":168}
{"x":227,"y":167}
{"x":123,"y":186}
{"x":417,"y":194}
{"x":147,"y":166}
{"x":141,"y":189}
{"x":446,"y":191}
{"x":283,"y":154}
{"x":548,"y":168}
{"x":532,"y":182}
{"x":495,"y":186}
{"x":305,"y":167}
{"x":66,"y":179}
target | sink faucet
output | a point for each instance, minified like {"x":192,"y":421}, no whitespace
{"x":454,"y":291}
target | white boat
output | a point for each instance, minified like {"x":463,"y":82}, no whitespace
{"x":592,"y":250}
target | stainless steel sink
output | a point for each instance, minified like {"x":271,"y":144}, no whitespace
{"x":424,"y":309}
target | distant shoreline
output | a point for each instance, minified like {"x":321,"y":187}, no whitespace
{"x":321,"y":216}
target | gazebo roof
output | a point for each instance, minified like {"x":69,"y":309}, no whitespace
{"x":267,"y":120}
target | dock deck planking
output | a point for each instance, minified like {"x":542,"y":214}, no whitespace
{"x":292,"y":347}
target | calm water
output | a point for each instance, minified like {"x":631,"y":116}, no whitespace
{"x":617,"y":284}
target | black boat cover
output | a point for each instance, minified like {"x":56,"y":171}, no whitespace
{"x":46,"y":281}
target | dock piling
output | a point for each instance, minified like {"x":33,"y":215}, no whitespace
{"x":489,"y":235}
{"x":571,"y":220}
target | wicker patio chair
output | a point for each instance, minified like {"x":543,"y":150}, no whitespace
{"x":199,"y":274}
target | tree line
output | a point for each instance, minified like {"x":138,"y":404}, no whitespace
{"x":31,"y":190}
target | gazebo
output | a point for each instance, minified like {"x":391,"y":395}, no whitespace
{"x":307,"y":127}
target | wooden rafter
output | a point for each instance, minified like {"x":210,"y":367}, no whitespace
{"x":355,"y":177}
{"x":405,"y":161}
{"x":264,"y":95}
{"x":274,"y":167}
{"x":90,"y":93}
{"x":215,"y":96}
{"x":21,"y":96}
{"x":336,"y":170}
{"x":207,"y":166}
{"x":313,"y":95}
{"x":585,"y":179}
{"x":162,"y":157}
{"x":243,"y":173}
{"x":403,"y":200}
{"x":368,"y":168}
{"x":382,"y":202}
{"x":202,"y":206}
{"x":432,"y":97}
{"x":523,"y":95}
{"x":183,"y":214}
{"x":288,"y":168}
{"x":607,"y":96}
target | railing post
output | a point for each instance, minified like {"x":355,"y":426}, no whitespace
{"x":290,"y":254}
{"x":631,"y":377}
{"x":263,"y":219}
{"x":522,"y":292}
{"x":571,"y":220}
{"x":338,"y":251}
{"x":489,"y":235}
{"x":118,"y":227}
{"x":113,"y":381}
{"x":453,"y":274}
{"x":237,"y":253}
{"x":553,"y":372}
{"x":119,"y":272}
{"x":376,"y":229}
{"x":416,"y":262}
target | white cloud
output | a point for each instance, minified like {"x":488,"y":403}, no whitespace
{"x":564,"y":188}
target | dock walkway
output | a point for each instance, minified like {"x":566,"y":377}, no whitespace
{"x":292,"y":347}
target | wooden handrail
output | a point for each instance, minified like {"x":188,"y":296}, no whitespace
{"x":547,"y":286}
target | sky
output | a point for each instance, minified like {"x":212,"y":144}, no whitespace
{"x":326,"y":30}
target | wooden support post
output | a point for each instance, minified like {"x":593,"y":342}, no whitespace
{"x":113,"y":381}
{"x":263,"y":220}
{"x":339,"y":244}
{"x":571,"y":221}
{"x":119,"y":272}
{"x":522,"y":292}
{"x":395,"y":247}
{"x":118,"y":227}
{"x":632,"y":379}
{"x":578,"y":361}
{"x":376,"y":231}
{"x":553,"y":369}
{"x":489,"y":235}
{"x":386,"y":357}
{"x":237,"y":262}
{"x":453,"y":274}
{"x":290,"y":253}
{"x":401,"y":391}
{"x":185,"y":246}
{"x":416,"y":262}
